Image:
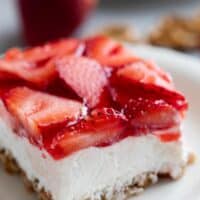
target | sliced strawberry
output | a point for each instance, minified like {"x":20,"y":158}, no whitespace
{"x":20,"y":69}
{"x":7,"y":117}
{"x":36,"y":111}
{"x":149,"y":115}
{"x":58,"y":48}
{"x":36,"y":65}
{"x":102,"y":128}
{"x":108,"y":52}
{"x":85,"y":77}
{"x":37,"y":54}
{"x":137,"y":80}
{"x":151,"y":65}
{"x":145,"y":72}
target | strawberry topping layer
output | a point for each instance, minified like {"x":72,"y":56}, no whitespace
{"x":73,"y":94}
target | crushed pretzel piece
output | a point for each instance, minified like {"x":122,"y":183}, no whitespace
{"x":121,"y":32}
{"x":176,"y":32}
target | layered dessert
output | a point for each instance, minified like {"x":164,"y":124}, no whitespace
{"x":87,"y":119}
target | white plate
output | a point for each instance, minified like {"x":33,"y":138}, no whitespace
{"x":186,"y":73}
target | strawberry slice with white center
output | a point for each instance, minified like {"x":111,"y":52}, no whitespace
{"x":36,"y":65}
{"x":145,"y":72}
{"x":147,"y":97}
{"x":55,"y":49}
{"x":146,"y":81}
{"x":41,"y":53}
{"x":29,"y":72}
{"x":108,"y":52}
{"x":37,"y":111}
{"x":85,"y":77}
{"x":102,"y":128}
{"x":150,"y":115}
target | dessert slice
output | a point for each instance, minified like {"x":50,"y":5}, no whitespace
{"x":87,"y":119}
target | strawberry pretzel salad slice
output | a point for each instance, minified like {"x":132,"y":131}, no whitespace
{"x":87,"y":119}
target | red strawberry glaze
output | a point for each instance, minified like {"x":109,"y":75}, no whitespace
{"x":71,"y":94}
{"x":36,"y":111}
{"x":150,"y":115}
{"x":102,"y":128}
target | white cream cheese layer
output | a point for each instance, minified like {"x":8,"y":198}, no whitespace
{"x":88,"y":172}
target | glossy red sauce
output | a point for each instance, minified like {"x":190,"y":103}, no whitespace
{"x":125,"y":106}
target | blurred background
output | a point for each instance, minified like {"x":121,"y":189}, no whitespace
{"x":169,"y":23}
